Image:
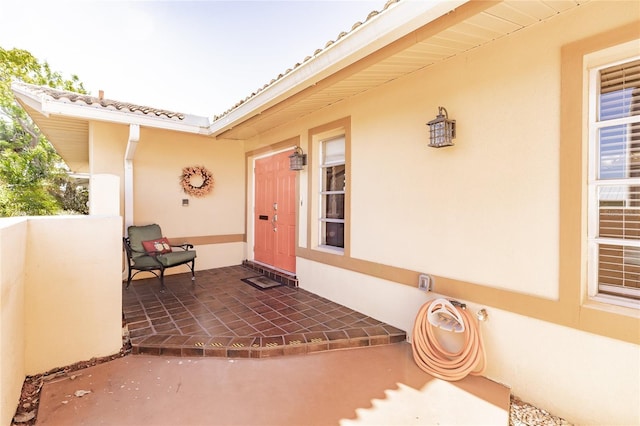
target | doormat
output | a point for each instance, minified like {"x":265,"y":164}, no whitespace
{"x":261,"y":282}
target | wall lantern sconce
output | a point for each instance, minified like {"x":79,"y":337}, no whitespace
{"x":298,"y":159}
{"x":442,"y":131}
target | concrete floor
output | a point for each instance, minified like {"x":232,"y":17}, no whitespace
{"x":372,"y":385}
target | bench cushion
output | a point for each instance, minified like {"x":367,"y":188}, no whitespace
{"x":176,"y":257}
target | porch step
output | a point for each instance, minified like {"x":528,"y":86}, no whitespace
{"x":265,"y":347}
{"x":219,"y":315}
{"x":276,"y":275}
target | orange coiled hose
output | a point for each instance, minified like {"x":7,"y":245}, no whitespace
{"x":434,"y":359}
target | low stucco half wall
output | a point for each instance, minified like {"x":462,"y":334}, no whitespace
{"x":13,"y":235}
{"x":61,"y":296}
{"x":73,"y":292}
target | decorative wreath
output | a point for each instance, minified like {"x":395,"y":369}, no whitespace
{"x":196,"y":181}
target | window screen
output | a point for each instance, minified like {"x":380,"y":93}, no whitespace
{"x":614,"y":204}
{"x":332,"y":192}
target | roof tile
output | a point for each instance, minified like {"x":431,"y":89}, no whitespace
{"x":74,"y":97}
{"x":329,"y":43}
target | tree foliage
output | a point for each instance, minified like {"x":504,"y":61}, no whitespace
{"x":33,"y":178}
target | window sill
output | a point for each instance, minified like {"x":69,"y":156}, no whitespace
{"x":605,"y":319}
{"x":330,"y":249}
{"x":606,"y":304}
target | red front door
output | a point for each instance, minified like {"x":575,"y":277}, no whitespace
{"x":275,"y":212}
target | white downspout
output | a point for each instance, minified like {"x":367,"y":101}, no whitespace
{"x":132,"y":144}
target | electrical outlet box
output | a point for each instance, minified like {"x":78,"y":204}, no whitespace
{"x":425,"y":282}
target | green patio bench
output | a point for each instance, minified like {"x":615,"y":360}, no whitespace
{"x":147,"y":250}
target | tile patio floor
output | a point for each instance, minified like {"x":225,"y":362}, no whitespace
{"x":221,"y":316}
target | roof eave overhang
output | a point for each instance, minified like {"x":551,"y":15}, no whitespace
{"x":401,"y":19}
{"x":50,"y":107}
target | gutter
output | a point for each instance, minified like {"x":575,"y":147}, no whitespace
{"x":130,"y":152}
{"x":399,"y":20}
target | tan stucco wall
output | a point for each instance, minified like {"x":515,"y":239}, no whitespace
{"x":158,"y":165}
{"x":104,"y":197}
{"x":215,"y":221}
{"x":61,"y":299}
{"x":485,"y":212}
{"x":13,"y":234}
{"x":107,"y":146}
{"x":158,"y":195}
{"x":465,"y":205}
{"x":73,"y":290}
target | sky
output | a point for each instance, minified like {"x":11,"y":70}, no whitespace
{"x":194,"y":57}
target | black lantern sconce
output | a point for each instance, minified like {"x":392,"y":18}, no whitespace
{"x":442,"y":131}
{"x":298,"y":159}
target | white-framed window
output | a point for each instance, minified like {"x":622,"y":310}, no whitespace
{"x":332,"y":181}
{"x":614,"y":182}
